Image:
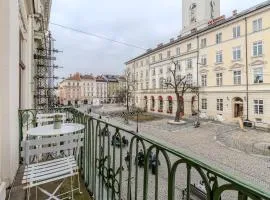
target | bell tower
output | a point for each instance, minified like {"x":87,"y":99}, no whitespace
{"x":197,"y":13}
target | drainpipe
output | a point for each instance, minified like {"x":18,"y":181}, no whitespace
{"x":198,"y":55}
{"x":247,"y":77}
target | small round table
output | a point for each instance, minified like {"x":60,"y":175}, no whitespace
{"x":48,"y":130}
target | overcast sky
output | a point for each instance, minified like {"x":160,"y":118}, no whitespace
{"x":144,"y":23}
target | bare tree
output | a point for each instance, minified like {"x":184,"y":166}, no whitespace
{"x":180,"y":84}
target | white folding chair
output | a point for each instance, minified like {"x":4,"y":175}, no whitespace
{"x":48,"y":118}
{"x":39,"y":173}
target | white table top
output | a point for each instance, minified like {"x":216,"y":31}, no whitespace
{"x":48,"y":130}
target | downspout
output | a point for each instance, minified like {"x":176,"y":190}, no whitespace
{"x":247,"y":77}
{"x":198,"y":55}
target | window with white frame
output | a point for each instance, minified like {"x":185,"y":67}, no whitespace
{"x":219,"y":104}
{"x":189,"y":63}
{"x":160,"y":71}
{"x":258,"y":75}
{"x":237,"y":77}
{"x":153,"y":59}
{"x":189,"y":79}
{"x":168,"y":54}
{"x":204,"y":104}
{"x":236,"y":31}
{"x":218,"y":38}
{"x":147,"y":61}
{"x":257,"y":25}
{"x":203,"y":43}
{"x":147,"y":85}
{"x":153,"y":83}
{"x":257,"y":48}
{"x":153,"y":72}
{"x":204,"y":60}
{"x":258,"y":107}
{"x":178,"y":51}
{"x":204,"y":80}
{"x":189,"y":46}
{"x":141,"y":86}
{"x":161,"y":83}
{"x":219,"y":79}
{"x":236,"y":53}
{"x":160,"y":56}
{"x":141,"y":74}
{"x":219,"y":57}
{"x":146,"y":73}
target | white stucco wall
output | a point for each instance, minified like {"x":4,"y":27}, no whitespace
{"x":9,"y":89}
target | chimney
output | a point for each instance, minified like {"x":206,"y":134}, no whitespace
{"x":172,"y":39}
{"x":234,"y":12}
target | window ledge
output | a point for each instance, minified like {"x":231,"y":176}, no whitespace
{"x":220,"y":63}
{"x":258,"y":56}
{"x":238,"y":60}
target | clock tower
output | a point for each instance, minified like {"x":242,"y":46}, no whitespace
{"x":197,"y":13}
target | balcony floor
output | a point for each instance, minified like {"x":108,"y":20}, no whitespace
{"x":17,"y":192}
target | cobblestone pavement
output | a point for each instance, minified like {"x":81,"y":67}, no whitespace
{"x":199,"y":143}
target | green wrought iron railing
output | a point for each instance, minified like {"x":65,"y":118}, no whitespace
{"x":136,"y":167}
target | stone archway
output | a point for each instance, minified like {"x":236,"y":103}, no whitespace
{"x":237,"y":107}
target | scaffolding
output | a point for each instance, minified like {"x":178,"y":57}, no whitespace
{"x":44,"y":67}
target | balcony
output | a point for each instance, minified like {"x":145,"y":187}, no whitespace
{"x":108,"y":173}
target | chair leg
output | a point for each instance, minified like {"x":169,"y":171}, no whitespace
{"x":79,"y":184}
{"x":36,"y":193}
{"x":71,"y":187}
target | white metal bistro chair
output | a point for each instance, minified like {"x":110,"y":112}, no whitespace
{"x":48,"y":118}
{"x":39,"y":173}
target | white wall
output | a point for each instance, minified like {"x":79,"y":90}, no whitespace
{"x":9,"y":89}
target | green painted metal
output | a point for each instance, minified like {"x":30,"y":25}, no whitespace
{"x":106,"y":176}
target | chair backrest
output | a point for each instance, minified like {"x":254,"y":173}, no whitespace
{"x":66,"y":144}
{"x":44,"y":119}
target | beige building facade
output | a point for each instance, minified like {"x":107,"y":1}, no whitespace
{"x":17,"y":38}
{"x":226,"y":57}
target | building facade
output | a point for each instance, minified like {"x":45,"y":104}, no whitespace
{"x":18,"y":22}
{"x":112,"y":86}
{"x":226,"y":57}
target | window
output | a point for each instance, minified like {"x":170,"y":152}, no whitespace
{"x":137,"y":75}
{"x":147,"y":85}
{"x":257,"y":25}
{"x":142,"y":63}
{"x":218,"y":38}
{"x":203,"y":60}
{"x":160,"y":56}
{"x":236,"y":32}
{"x":237,"y":77}
{"x":203,"y":43}
{"x":153,"y":59}
{"x":189,"y":63}
{"x":169,"y":69}
{"x":219,"y":79}
{"x":204,"y":104}
{"x":141,"y":86}
{"x":257,"y":48}
{"x":154,"y":84}
{"x":189,"y":47}
{"x":219,"y":57}
{"x":161,"y":83}
{"x":178,"y":51}
{"x":204,"y":80}
{"x":189,"y":79}
{"x":258,"y":107}
{"x":147,"y":61}
{"x":160,"y":71}
{"x":168,"y":54}
{"x":258,"y":75}
{"x":141,"y":74}
{"x":153,"y":72}
{"x":236,"y":53}
{"x":219,"y":104}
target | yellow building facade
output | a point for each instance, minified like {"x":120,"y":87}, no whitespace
{"x":228,"y":58}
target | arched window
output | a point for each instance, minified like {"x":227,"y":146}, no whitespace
{"x":152,"y":103}
{"x":170,"y":105}
{"x":160,"y":108}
